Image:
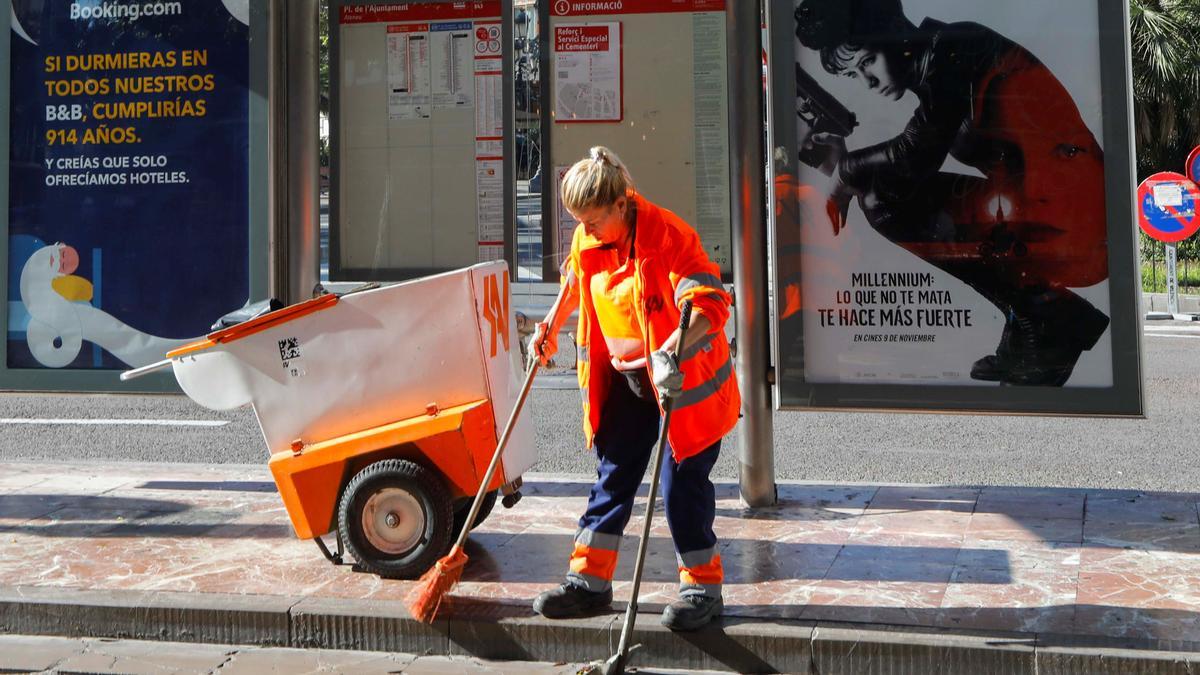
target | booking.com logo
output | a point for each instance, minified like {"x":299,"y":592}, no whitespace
{"x":112,"y":10}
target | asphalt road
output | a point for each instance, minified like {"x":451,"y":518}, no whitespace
{"x":1157,"y":453}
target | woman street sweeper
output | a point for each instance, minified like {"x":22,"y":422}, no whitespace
{"x":632,"y":266}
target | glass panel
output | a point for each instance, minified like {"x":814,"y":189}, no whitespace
{"x":324,"y":66}
{"x":527,"y":81}
{"x":129,"y":179}
{"x":945,"y":229}
{"x":648,"y":81}
{"x":419,"y":130}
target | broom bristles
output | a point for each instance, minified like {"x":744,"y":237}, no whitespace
{"x":425,"y":599}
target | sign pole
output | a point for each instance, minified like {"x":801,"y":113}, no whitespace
{"x":1172,"y":281}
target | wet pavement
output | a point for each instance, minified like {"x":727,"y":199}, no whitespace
{"x":1063,"y":562}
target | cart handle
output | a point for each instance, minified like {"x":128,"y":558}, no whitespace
{"x":257,"y":325}
{"x":145,"y":370}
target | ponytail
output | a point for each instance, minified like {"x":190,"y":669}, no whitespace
{"x":598,"y":181}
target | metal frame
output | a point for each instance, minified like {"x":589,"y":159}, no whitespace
{"x":259,"y":150}
{"x":293,"y":134}
{"x":51,"y":379}
{"x":1126,"y":397}
{"x":5,"y":159}
{"x":550,"y":243}
{"x":747,"y":191}
{"x":338,"y":273}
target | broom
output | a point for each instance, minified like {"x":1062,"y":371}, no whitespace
{"x":616,"y":663}
{"x":425,"y":599}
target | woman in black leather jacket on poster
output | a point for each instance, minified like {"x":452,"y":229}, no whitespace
{"x":1023,"y":235}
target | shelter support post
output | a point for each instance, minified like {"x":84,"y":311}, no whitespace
{"x":748,"y":211}
{"x":294,"y":193}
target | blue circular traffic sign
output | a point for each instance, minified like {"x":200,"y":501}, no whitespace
{"x":1167,"y":207}
{"x":1193,"y":165}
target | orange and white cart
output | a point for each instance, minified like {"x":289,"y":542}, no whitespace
{"x":381,"y":409}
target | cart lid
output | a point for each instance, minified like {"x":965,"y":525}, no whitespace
{"x":257,"y":325}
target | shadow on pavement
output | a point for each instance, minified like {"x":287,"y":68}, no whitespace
{"x":110,"y":517}
{"x":731,"y":641}
{"x":542,"y":558}
{"x":211,"y":485}
{"x":1059,"y":517}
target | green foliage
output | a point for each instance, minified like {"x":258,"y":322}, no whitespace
{"x":1154,"y":278}
{"x":1166,"y":90}
{"x":323,"y":58}
{"x":1166,"y":82}
{"x":323,"y":77}
{"x":1154,"y":265}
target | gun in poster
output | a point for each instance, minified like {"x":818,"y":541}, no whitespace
{"x":989,"y":188}
{"x":819,"y":113}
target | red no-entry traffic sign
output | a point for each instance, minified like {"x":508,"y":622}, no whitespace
{"x":1167,"y":204}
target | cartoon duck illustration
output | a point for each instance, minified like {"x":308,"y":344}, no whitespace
{"x":61,"y":316}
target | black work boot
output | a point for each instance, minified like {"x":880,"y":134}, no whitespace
{"x":993,"y":367}
{"x":569,"y":601}
{"x":692,"y":612}
{"x":1053,"y":330}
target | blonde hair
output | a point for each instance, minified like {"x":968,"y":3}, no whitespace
{"x":599,"y":180}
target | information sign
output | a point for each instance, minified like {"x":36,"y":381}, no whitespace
{"x":671,"y":110}
{"x":420,"y":150}
{"x":587,"y":63}
{"x":569,"y":8}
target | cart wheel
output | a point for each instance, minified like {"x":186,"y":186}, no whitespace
{"x":464,"y":507}
{"x":395,"y":517}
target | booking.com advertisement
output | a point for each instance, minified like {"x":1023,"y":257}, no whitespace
{"x":129,"y":178}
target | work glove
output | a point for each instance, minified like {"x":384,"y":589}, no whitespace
{"x":544,"y":343}
{"x":667,"y":377}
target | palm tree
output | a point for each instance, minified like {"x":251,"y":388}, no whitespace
{"x":1166,"y":82}
{"x":1166,"y":90}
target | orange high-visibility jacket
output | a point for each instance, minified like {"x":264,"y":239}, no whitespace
{"x":671,"y":267}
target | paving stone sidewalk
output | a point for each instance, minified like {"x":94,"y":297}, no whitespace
{"x":35,"y":654}
{"x":1083,"y":564}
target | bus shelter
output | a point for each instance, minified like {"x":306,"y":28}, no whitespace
{"x":902,"y":229}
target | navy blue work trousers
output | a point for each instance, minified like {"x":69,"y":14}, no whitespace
{"x":624,"y":445}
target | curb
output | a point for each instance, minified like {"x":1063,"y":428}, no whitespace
{"x":508,"y":632}
{"x":171,"y":617}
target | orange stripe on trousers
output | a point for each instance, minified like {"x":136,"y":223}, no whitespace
{"x":707,"y":574}
{"x":595,"y":562}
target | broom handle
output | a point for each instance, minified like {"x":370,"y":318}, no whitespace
{"x":631,"y":612}
{"x":491,"y":470}
{"x":534,"y":364}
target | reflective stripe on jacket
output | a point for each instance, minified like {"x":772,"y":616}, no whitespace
{"x":671,"y":267}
